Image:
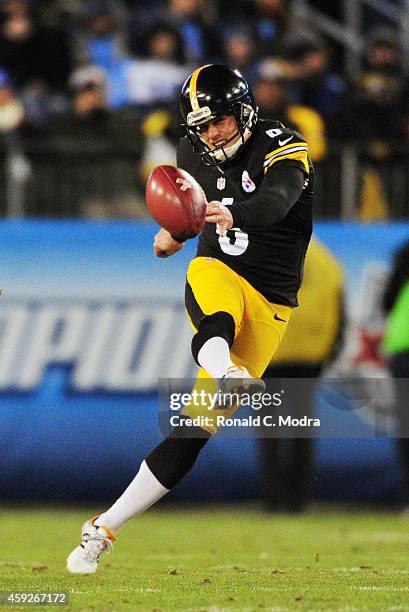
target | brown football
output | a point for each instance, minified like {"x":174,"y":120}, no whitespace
{"x":176,"y":201}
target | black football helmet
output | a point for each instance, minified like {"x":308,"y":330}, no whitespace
{"x":212,"y":91}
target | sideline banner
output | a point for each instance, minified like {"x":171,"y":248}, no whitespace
{"x":89,"y":320}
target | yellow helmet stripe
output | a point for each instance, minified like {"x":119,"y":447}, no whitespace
{"x":193,"y":88}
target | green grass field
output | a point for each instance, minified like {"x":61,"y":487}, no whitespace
{"x":216,"y":560}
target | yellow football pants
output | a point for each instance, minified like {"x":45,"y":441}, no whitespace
{"x":213,"y":287}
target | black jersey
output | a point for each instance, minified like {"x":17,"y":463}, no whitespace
{"x":269,"y":255}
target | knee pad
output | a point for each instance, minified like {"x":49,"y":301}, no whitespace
{"x":219,"y":324}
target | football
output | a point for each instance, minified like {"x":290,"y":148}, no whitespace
{"x":176,"y":201}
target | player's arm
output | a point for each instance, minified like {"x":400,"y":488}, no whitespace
{"x":164,"y":245}
{"x":277,"y":194}
{"x":286,"y":166}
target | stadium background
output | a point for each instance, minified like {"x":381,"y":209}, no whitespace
{"x":81,"y":125}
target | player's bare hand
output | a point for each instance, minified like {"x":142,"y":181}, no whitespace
{"x":216,"y":212}
{"x":164,"y":245}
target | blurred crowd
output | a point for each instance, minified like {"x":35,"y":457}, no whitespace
{"x":107,"y":73}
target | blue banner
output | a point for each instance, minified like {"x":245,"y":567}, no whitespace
{"x":89,"y":320}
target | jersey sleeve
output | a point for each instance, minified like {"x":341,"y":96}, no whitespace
{"x":285,"y":145}
{"x":277,"y":194}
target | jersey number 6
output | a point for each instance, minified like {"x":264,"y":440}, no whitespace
{"x":235,"y":242}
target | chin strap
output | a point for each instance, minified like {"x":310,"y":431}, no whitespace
{"x":226,"y":153}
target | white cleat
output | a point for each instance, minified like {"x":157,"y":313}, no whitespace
{"x":84,"y":558}
{"x":238,"y":381}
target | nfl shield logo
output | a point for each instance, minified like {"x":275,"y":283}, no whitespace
{"x":221,"y":183}
{"x":247,"y":183}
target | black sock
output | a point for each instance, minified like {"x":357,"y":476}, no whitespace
{"x":176,"y":455}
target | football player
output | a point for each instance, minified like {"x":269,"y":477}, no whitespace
{"x":242,"y":285}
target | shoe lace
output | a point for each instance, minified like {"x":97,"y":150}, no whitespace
{"x":94,"y":546}
{"x":233,"y":371}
